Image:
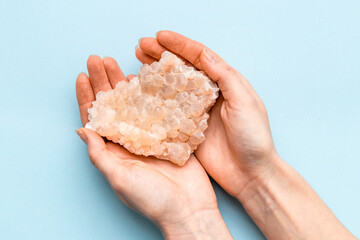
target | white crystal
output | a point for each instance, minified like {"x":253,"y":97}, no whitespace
{"x":161,"y":112}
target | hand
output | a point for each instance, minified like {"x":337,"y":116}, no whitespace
{"x":239,"y":152}
{"x":238,"y":144}
{"x":180,"y":200}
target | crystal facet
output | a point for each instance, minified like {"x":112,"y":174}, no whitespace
{"x":162,"y":112}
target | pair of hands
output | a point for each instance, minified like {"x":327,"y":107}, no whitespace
{"x":238,"y":147}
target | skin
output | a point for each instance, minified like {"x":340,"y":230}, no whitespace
{"x":180,"y":200}
{"x":238,"y":153}
{"x":238,"y":136}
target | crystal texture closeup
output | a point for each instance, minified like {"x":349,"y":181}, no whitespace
{"x":162,"y":112}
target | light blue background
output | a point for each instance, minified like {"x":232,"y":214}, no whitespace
{"x":302,"y":57}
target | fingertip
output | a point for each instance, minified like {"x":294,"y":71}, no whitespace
{"x":139,"y":43}
{"x":138,"y":51}
{"x":162,"y":33}
{"x":113,"y":71}
{"x":94,"y":140}
{"x":145,"y":42}
{"x":81,"y":79}
{"x":157,"y":33}
{"x":83,"y":88}
{"x":88,"y":131}
{"x":97,"y":74}
{"x":109,"y":62}
{"x":82,"y":135}
{"x":151,"y":47}
{"x":85,"y":95}
{"x":108,"y":59}
{"x":143,"y":57}
{"x":93,"y":61}
{"x":82,"y":74}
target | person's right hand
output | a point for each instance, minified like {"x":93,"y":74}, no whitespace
{"x":239,"y":152}
{"x":238,"y":145}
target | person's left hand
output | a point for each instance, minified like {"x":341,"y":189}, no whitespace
{"x":180,"y":200}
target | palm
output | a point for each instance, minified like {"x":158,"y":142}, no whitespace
{"x":158,"y":189}
{"x":240,"y":138}
{"x":214,"y":152}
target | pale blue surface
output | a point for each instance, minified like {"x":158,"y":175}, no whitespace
{"x":302,"y":58}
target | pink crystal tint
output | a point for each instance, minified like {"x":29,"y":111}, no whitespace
{"x":162,"y":112}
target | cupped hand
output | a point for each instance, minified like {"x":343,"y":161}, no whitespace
{"x":238,"y":146}
{"x":175,"y":198}
{"x":239,"y":152}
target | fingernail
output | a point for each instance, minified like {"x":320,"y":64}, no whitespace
{"x":209,"y":55}
{"x":140,"y":40}
{"x":82,"y":135}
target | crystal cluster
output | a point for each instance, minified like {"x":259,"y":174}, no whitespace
{"x":162,"y":112}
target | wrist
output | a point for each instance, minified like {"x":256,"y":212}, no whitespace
{"x":200,"y":225}
{"x":284,"y":206}
{"x":263,"y":198}
{"x":256,"y":178}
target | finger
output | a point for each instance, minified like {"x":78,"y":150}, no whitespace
{"x":99,"y":154}
{"x":185,"y":47}
{"x":130,"y":76}
{"x":151,"y":47}
{"x":120,"y":151}
{"x":85,"y":96}
{"x":124,"y":155}
{"x":143,"y":57}
{"x":97,"y":74}
{"x":234,"y":86}
{"x":113,"y":71}
{"x":231,"y":83}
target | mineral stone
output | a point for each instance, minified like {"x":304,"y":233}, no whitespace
{"x":162,"y":112}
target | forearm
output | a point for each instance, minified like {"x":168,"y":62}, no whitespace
{"x":206,"y":225}
{"x":284,"y":206}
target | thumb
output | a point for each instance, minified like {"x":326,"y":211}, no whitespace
{"x":99,"y":154}
{"x":231,"y":82}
